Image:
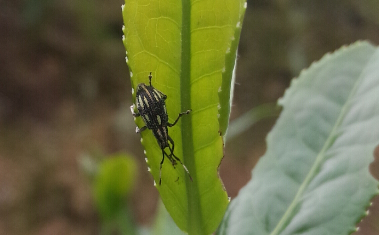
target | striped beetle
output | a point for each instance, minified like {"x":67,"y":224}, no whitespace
{"x":152,"y":109}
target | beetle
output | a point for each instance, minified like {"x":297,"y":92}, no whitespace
{"x":151,"y":107}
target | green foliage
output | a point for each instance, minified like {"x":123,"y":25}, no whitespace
{"x":189,"y":46}
{"x":112,"y":184}
{"x":314,"y":177}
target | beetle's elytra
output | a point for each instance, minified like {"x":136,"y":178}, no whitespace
{"x":152,"y":109}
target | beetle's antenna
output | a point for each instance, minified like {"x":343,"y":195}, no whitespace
{"x":150,"y":77}
{"x":185,"y":168}
{"x":176,"y":158}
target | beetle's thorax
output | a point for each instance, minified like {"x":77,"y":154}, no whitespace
{"x":152,"y":108}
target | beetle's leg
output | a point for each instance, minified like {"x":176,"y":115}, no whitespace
{"x":172,"y":160}
{"x":133,"y":113}
{"x":138,"y":130}
{"x":172,"y":154}
{"x":173,"y":144}
{"x":160,"y":167}
{"x":177,"y":119}
{"x":172,"y":149}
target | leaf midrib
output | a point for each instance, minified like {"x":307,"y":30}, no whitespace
{"x":288,"y":215}
{"x":195,"y":221}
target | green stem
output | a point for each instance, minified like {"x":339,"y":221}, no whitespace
{"x":194,"y":226}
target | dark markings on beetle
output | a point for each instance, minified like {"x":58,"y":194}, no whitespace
{"x":152,"y":109}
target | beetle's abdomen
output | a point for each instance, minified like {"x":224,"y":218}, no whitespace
{"x":161,"y":134}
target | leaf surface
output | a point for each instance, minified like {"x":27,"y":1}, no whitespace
{"x":185,"y":45}
{"x":314,"y":177}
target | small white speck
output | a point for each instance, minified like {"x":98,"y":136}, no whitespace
{"x":132,"y":91}
{"x":223,"y":70}
{"x":123,"y":37}
{"x":229,"y":199}
{"x":227,"y":50}
{"x":134,"y":118}
{"x":155,"y":184}
{"x":141,"y":140}
{"x":218,"y":115}
{"x":148,"y":169}
{"x":122,"y":7}
{"x":238,"y":24}
{"x":219,"y":89}
{"x":126,"y":59}
{"x":218,"y":106}
{"x":144,"y":152}
{"x":357,"y":229}
{"x":131,"y":74}
{"x":367,"y":212}
{"x":245,"y":6}
{"x":123,"y":28}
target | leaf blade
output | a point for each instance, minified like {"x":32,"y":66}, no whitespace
{"x":312,"y":163}
{"x":186,"y":59}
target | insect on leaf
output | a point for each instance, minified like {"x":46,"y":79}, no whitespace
{"x":188,"y":46}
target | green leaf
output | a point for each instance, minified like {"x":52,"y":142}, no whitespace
{"x":228,"y":76}
{"x":112,"y":184}
{"x":187,"y":45}
{"x":314,"y":177}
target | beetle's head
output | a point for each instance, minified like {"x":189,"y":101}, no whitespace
{"x":141,"y":86}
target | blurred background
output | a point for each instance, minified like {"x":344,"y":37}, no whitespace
{"x":65,"y":95}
